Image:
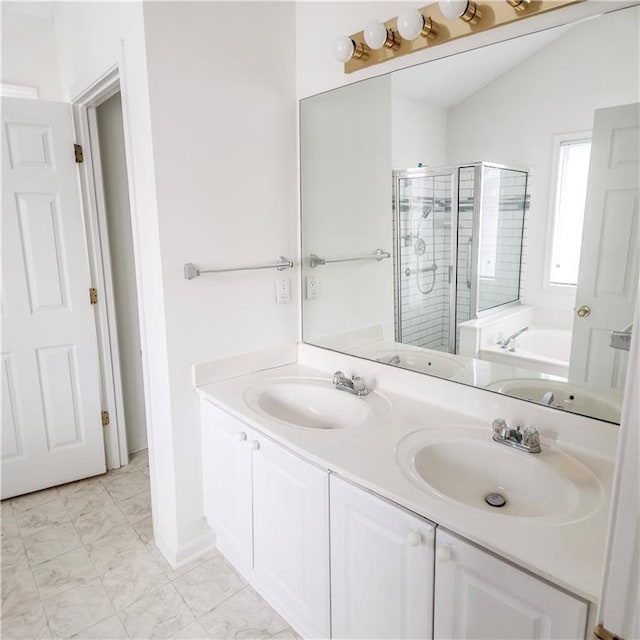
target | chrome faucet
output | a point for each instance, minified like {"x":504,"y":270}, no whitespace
{"x":505,"y":344}
{"x":354,"y":385}
{"x":526,"y":440}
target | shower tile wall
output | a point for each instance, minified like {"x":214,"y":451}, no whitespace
{"x":425,"y":316}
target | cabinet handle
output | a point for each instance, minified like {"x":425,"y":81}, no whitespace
{"x":254,"y":445}
{"x":241,"y":436}
{"x":443,"y":553}
{"x":414,"y":538}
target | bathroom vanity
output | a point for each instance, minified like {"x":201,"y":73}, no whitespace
{"x":364,"y":516}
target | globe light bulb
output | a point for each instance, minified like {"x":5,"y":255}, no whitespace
{"x":375,"y":34}
{"x":410,"y":24}
{"x":343,"y":49}
{"x":453,"y":8}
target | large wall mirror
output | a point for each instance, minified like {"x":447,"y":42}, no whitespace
{"x":477,"y":217}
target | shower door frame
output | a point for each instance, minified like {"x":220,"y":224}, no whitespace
{"x":426,"y":172}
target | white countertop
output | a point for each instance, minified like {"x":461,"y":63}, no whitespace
{"x":569,"y":555}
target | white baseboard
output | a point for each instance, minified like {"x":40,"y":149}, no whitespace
{"x":184,"y":554}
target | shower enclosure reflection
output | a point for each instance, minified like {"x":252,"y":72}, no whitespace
{"x":458,"y":248}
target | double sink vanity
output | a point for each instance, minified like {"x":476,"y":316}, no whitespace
{"x":368,"y":507}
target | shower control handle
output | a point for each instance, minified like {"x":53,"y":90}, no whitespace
{"x":584,"y":311}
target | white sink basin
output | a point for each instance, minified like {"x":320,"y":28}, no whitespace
{"x":434,"y":363}
{"x":598,"y":403}
{"x":464,"y":465}
{"x":314,"y":403}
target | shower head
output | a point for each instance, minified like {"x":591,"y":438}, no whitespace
{"x":425,"y":212}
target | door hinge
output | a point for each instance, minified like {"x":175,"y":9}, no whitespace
{"x":105,"y":418}
{"x":600,"y":633}
{"x":93,"y":296}
{"x":78,"y":153}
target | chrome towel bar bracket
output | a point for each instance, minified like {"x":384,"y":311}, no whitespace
{"x":191,"y":271}
{"x":378,"y":254}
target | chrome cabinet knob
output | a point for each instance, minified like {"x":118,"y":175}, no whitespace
{"x":444,"y":553}
{"x":241,"y":436}
{"x":584,"y":311}
{"x":414,"y":538}
{"x":254,"y":445}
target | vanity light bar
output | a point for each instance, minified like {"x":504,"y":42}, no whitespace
{"x":477,"y":17}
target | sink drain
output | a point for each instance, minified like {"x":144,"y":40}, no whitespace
{"x":495,"y":500}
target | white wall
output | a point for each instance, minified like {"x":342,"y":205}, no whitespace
{"x":93,"y":38}
{"x":346,"y":183}
{"x":513,"y":119}
{"x":210,"y":127}
{"x":116,"y":191}
{"x":29,"y":53}
{"x":223,"y":116}
{"x":419,"y":133}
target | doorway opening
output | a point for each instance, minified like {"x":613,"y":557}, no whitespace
{"x":99,"y":122}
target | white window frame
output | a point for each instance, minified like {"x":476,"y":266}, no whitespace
{"x":558,"y":139}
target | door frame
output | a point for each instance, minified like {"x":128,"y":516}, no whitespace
{"x":94,"y":205}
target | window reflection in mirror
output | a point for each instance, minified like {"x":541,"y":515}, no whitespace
{"x":469,"y":173}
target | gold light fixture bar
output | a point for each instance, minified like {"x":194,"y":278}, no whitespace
{"x":493,"y":14}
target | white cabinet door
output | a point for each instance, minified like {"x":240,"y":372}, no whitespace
{"x":226,"y":469}
{"x":291,"y":536}
{"x":381,"y":567}
{"x":479,"y":596}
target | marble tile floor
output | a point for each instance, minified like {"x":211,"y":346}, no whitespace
{"x":79,"y":561}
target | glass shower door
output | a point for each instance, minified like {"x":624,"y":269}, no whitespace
{"x":423,"y":255}
{"x":501,"y":226}
{"x":491,"y":209}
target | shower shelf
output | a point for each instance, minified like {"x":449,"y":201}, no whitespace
{"x":191,"y":271}
{"x":378,"y":254}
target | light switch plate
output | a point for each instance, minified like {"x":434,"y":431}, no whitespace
{"x":283,"y":291}
{"x":312,"y":287}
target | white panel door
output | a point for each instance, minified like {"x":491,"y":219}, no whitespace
{"x":51,"y":422}
{"x":381,"y":567}
{"x":608,"y":275}
{"x":226,"y":470}
{"x":291,"y":537}
{"x":481,"y":597}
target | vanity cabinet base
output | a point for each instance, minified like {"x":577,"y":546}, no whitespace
{"x":480,"y":596}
